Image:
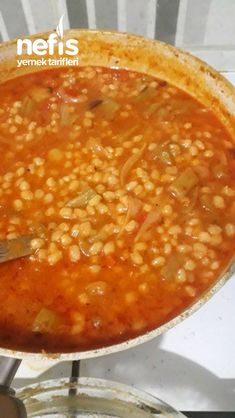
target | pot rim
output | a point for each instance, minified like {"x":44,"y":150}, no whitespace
{"x":211,"y":76}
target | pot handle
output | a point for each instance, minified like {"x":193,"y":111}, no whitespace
{"x":10,"y":406}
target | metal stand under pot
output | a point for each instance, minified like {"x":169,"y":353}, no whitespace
{"x":76,"y":397}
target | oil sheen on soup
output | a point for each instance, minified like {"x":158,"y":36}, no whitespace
{"x":126,"y":185}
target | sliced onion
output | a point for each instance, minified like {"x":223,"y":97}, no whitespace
{"x":66,"y":117}
{"x":84,"y":247}
{"x":127,"y":133}
{"x":192,"y":200}
{"x":174,"y":263}
{"x":45,"y":321}
{"x":134,"y":206}
{"x":184,"y":183}
{"x":94,"y":145}
{"x":108,"y":109}
{"x":82,"y":199}
{"x":132,"y":160}
{"x":152,"y":217}
{"x":70,"y":99}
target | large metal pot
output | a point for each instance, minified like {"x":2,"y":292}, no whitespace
{"x":112,"y":49}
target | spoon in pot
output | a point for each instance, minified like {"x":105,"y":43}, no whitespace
{"x":15,"y":248}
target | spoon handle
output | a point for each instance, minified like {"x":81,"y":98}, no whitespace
{"x":8,"y":369}
{"x":10,"y":406}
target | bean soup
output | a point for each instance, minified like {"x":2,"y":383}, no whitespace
{"x":127,"y":186}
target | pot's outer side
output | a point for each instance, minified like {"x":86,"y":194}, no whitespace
{"x":121,"y":50}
